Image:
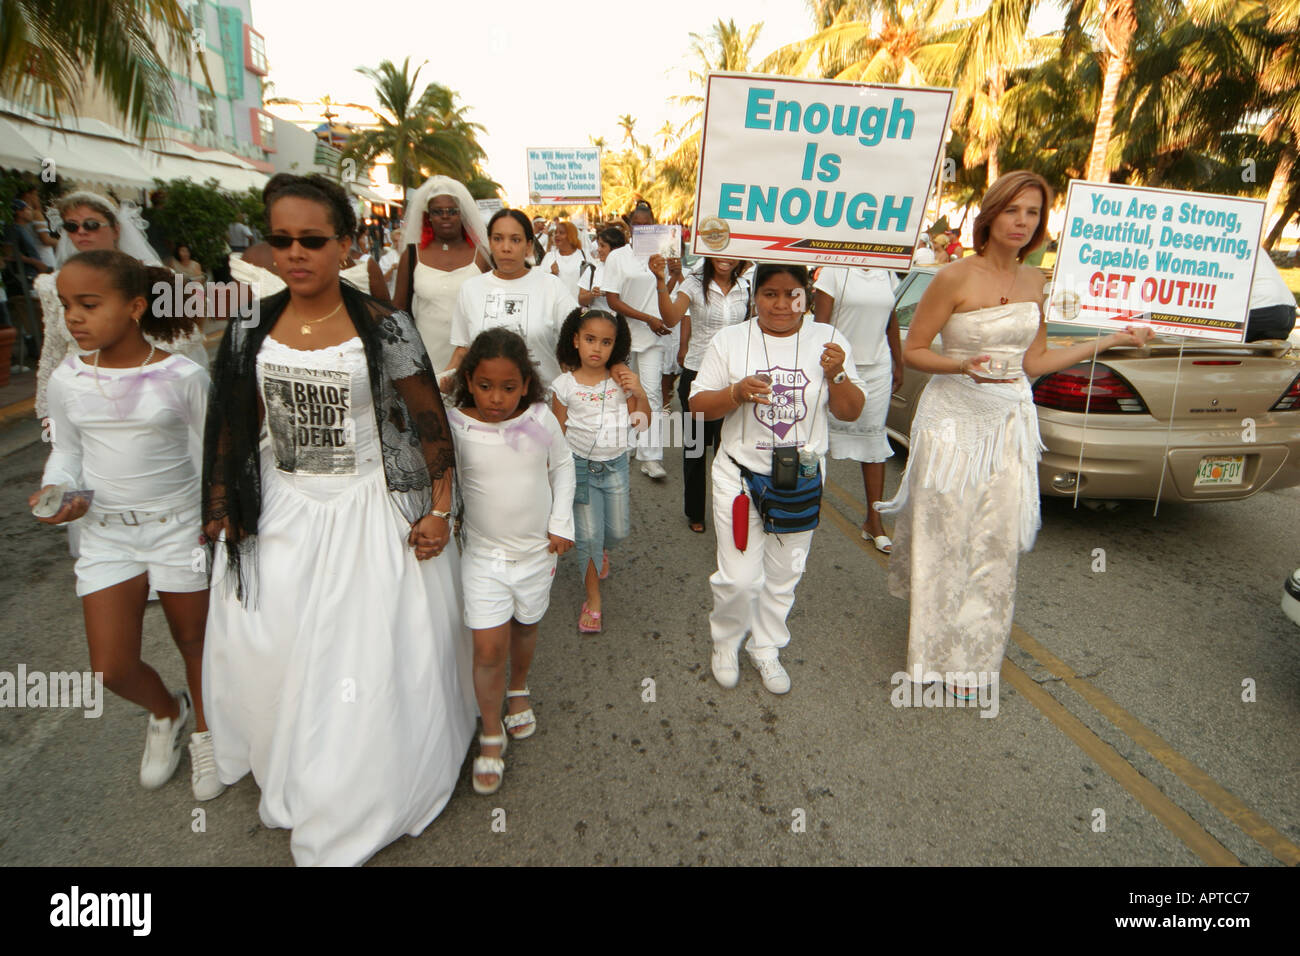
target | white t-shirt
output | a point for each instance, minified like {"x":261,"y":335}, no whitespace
{"x":637,"y":286}
{"x":534,"y":305}
{"x":570,"y":266}
{"x":863,"y":300}
{"x":707,"y":318}
{"x":596,"y":417}
{"x":517,"y":482}
{"x":134,"y":437}
{"x":800,"y":392}
{"x":1269,"y":288}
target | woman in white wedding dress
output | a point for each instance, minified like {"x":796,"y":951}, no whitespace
{"x":968,"y":502}
{"x":336,"y":667}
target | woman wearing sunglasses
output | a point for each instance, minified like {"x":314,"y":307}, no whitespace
{"x":444,"y":243}
{"x":89,"y":221}
{"x":336,"y":667}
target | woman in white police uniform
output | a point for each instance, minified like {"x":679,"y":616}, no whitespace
{"x":774,"y":382}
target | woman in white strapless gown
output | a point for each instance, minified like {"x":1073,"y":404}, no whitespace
{"x":968,"y":502}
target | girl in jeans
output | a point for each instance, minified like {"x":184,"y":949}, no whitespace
{"x":594,"y":401}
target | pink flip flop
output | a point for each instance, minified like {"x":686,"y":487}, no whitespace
{"x":594,"y":615}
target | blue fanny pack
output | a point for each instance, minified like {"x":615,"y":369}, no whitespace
{"x":784,"y":511}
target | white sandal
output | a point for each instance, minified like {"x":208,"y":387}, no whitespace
{"x":520,"y":719}
{"x":881,"y":541}
{"x":486,"y":765}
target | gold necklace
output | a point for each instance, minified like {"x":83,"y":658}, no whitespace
{"x":305,"y":328}
{"x":1014,"y":273}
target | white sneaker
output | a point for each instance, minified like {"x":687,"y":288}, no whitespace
{"x":162,"y":745}
{"x":726,"y":666}
{"x":654,"y":469}
{"x":775,"y":679}
{"x":203,"y":767}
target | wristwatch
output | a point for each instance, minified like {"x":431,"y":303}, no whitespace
{"x":840,"y":377}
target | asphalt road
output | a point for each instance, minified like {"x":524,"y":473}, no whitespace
{"x":1121,"y":703}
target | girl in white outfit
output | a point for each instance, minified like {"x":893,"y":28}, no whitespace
{"x":517,"y":481}
{"x":125,"y":424}
{"x":773,"y":381}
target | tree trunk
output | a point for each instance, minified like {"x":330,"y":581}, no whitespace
{"x":1119,"y":23}
{"x":1098,"y":170}
{"x":997,"y":86}
{"x":1288,"y":214}
{"x":1281,"y":179}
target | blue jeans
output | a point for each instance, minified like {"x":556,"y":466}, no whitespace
{"x":602,"y":510}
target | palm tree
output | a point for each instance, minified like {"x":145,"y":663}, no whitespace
{"x":52,"y":52}
{"x":626,"y":123}
{"x":874,"y":41}
{"x":990,"y":46}
{"x":428,"y":134}
{"x":1271,"y":32}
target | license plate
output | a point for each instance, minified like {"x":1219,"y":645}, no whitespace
{"x":1220,"y":470}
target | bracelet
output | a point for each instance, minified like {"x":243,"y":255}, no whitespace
{"x":737,"y":401}
{"x":961,"y":367}
{"x":444,"y":515}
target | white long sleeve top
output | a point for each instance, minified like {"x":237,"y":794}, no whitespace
{"x":133,"y":435}
{"x":517,"y":481}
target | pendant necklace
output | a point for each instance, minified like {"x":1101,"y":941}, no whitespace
{"x":1010,"y":286}
{"x":305,"y":328}
{"x":147,"y":358}
{"x":446,"y":248}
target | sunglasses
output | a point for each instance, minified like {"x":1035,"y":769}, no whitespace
{"x":445,"y":213}
{"x":280,"y":241}
{"x":90,"y":225}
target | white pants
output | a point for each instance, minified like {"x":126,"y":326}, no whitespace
{"x":649,"y":365}
{"x":753,"y":590}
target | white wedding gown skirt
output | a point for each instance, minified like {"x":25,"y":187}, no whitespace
{"x":968,"y":502}
{"x":347,"y":689}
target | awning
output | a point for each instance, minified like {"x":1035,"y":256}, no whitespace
{"x":368,"y":194}
{"x":86,"y":159}
{"x":181,"y":161}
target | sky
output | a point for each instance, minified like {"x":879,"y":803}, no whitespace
{"x":534,"y":72}
{"x":537,"y":73}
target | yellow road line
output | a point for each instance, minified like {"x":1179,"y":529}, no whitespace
{"x":1246,"y":819}
{"x":1174,"y":818}
{"x":1170,"y":815}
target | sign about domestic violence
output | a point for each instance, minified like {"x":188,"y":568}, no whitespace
{"x":1177,"y":261}
{"x":816,"y":171}
{"x":564,"y":176}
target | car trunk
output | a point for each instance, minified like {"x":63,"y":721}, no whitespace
{"x":1216,"y":382}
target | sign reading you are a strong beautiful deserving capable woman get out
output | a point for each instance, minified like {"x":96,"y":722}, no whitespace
{"x":815,"y":171}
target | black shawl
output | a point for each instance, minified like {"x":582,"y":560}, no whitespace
{"x":413,"y":429}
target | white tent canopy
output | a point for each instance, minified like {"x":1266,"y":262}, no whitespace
{"x":90,"y":153}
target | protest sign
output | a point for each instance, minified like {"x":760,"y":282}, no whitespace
{"x":816,"y":171}
{"x":1181,"y":262}
{"x":564,"y":176}
{"x":663,"y":241}
{"x":488,"y":207}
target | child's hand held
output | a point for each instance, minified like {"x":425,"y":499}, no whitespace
{"x":558,"y":545}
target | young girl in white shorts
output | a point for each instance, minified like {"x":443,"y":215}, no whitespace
{"x":126,"y":420}
{"x":516,"y":480}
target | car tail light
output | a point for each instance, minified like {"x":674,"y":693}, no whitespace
{"x":1290,"y":398}
{"x":1068,"y":391}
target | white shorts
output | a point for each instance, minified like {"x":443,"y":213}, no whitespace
{"x":498,"y":589}
{"x":163,"y":544}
